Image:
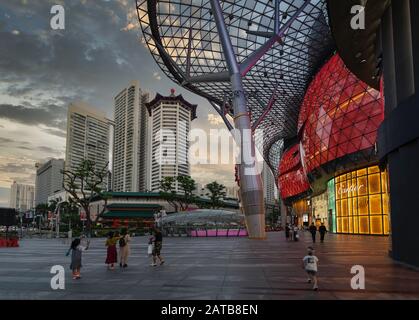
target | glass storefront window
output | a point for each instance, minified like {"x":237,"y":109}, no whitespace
{"x":375,"y":204}
{"x":374,"y":183}
{"x":361,"y":185}
{"x":376,"y":224}
{"x":363,"y":225}
{"x":361,"y":172}
{"x":361,"y":202}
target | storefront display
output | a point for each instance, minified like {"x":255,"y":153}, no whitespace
{"x":300,"y":208}
{"x":361,"y":202}
{"x":320,"y":209}
{"x":331,"y":205}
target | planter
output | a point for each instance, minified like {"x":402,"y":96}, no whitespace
{"x":10,"y":242}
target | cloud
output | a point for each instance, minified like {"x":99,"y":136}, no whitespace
{"x":156,"y":76}
{"x":53,"y":116}
{"x":42,"y":71}
{"x":4,"y":141}
{"x":56,"y":132}
{"x":207,"y":173}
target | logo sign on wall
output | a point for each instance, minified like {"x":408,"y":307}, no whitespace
{"x":351,"y":188}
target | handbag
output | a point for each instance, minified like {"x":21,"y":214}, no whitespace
{"x":150,"y":249}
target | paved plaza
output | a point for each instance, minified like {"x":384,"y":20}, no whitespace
{"x":210,"y":268}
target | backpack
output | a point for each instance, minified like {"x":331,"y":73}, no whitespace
{"x":122,"y":242}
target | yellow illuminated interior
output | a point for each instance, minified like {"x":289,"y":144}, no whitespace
{"x":362,"y":202}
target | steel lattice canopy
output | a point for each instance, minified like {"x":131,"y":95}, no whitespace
{"x":183,"y":39}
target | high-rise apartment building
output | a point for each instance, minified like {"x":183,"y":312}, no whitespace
{"x":169,"y":128}
{"x":268,"y":184}
{"x":87,"y":136}
{"x":22,"y":196}
{"x":49,"y":179}
{"x":130,"y":152}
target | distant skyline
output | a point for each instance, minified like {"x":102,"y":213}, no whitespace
{"x":99,"y":53}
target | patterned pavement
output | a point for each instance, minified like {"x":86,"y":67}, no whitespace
{"x":210,"y":268}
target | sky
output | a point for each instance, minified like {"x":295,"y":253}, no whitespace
{"x":42,"y":70}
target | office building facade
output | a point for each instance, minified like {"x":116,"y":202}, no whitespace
{"x":49,"y":179}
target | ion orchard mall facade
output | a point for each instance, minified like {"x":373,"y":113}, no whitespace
{"x":338,"y":104}
{"x":330,"y":175}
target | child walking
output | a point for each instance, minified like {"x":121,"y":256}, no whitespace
{"x":76,"y":252}
{"x":310,"y":265}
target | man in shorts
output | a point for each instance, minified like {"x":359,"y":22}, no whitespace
{"x":310,"y":266}
{"x":158,"y":240}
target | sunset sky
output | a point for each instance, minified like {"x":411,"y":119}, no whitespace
{"x":43,"y":70}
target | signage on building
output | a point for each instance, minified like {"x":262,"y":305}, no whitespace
{"x":351,"y":188}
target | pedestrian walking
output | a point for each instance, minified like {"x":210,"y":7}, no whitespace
{"x":287,"y":232}
{"x":292,"y":232}
{"x":111,"y":254}
{"x":124,"y":248}
{"x":322,"y":231}
{"x":310,"y":262}
{"x":296,"y":235}
{"x":76,"y":250}
{"x":158,"y":242}
{"x":313,"y":231}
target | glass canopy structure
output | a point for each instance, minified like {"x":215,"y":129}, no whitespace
{"x":278,"y":44}
{"x":252,"y":60}
{"x":203,"y":217}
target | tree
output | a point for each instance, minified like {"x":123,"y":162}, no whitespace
{"x":188,"y":186}
{"x":216,"y":192}
{"x":41,"y":211}
{"x":52,"y":205}
{"x":178,"y":201}
{"x":70,"y":214}
{"x":167,"y":191}
{"x":42,"y":208}
{"x":84,"y":184}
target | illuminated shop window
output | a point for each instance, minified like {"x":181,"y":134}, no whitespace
{"x":331,"y":205}
{"x":361,"y":202}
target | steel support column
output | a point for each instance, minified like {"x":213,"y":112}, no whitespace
{"x":251,"y":189}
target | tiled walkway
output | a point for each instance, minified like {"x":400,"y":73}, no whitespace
{"x":210,"y":268}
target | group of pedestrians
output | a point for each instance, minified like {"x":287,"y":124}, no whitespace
{"x":313,"y":230}
{"x":291,"y":232}
{"x":124,"y":249}
{"x":115,"y":239}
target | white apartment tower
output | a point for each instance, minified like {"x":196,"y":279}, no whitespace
{"x":22,"y":196}
{"x":170,"y":124}
{"x":87,"y":136}
{"x":268,"y":181}
{"x":49,"y":179}
{"x":129,"y":172}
